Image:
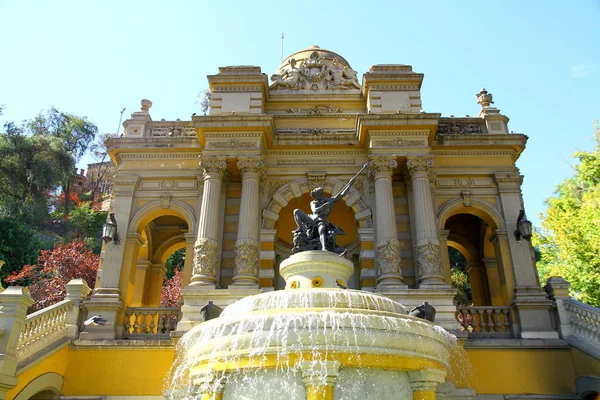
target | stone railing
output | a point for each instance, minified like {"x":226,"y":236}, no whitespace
{"x":150,"y":322}
{"x":44,"y":328}
{"x":485,"y":321}
{"x":584,"y":320}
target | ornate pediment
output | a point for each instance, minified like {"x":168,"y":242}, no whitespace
{"x":315,"y":72}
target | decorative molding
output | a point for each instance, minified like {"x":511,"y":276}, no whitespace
{"x":144,"y":156}
{"x":206,"y":252}
{"x":400,"y":143}
{"x":315,"y":131}
{"x":231,"y":144}
{"x":275,"y":185}
{"x":403,"y":87}
{"x":173,"y":130}
{"x":237,"y":88}
{"x":511,"y":153}
{"x":165,"y":200}
{"x":316,"y":162}
{"x":466,"y":198}
{"x":315,"y":179}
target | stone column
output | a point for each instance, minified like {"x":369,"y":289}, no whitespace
{"x":206,"y":249}
{"x":478,"y":283}
{"x":319,"y":379}
{"x":247,"y":250}
{"x":424,"y":383}
{"x":188,"y":265}
{"x":387,"y":246}
{"x":558,"y":290}
{"x":426,"y":244}
{"x":443,"y":234}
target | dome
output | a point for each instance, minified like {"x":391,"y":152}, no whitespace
{"x":302,"y":55}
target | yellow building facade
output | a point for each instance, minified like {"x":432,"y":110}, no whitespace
{"x":224,"y":187}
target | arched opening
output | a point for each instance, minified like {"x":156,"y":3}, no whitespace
{"x":46,"y":386}
{"x":471,"y":254}
{"x":160,"y":238}
{"x":342,"y":216}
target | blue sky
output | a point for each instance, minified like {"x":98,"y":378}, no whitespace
{"x":540,"y":59}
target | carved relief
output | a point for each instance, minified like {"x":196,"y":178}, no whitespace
{"x":315,"y":180}
{"x":316,"y":73}
{"x":275,"y":185}
{"x":319,"y":109}
{"x":459,"y":128}
{"x":173,"y":130}
{"x":382,"y":165}
{"x":388,"y":258}
{"x":246,"y":258}
{"x":314,"y":131}
{"x":206,"y":252}
{"x":429,"y":261}
{"x":231,"y":144}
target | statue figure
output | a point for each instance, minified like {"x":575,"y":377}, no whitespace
{"x":341,"y":78}
{"x":289,"y":79}
{"x":314,"y":231}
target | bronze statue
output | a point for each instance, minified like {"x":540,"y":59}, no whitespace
{"x":314,"y":231}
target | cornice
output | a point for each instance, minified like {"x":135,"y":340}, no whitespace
{"x":333,"y":152}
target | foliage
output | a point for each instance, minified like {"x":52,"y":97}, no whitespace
{"x":460,"y":278}
{"x":569,"y":239}
{"x":169,"y":297}
{"x":19,"y":245}
{"x":85,"y":222}
{"x":46,"y":280}
{"x":174,"y":262}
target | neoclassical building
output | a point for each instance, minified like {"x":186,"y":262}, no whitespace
{"x":224,"y":186}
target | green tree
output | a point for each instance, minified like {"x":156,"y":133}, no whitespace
{"x":569,"y":239}
{"x":460,"y":278}
{"x":76,"y":134}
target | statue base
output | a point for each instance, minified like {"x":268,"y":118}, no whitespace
{"x":315,"y":269}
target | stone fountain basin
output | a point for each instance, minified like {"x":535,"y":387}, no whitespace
{"x":281,"y":329}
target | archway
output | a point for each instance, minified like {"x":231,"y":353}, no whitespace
{"x":46,"y":386}
{"x":350,"y":214}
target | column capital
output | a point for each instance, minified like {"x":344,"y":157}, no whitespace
{"x":380,"y":166}
{"x":508,"y":181}
{"x":419,"y":166}
{"x":315,"y":373}
{"x":426,"y":380}
{"x":444,"y":234}
{"x":251,"y":166}
{"x":213,"y":166}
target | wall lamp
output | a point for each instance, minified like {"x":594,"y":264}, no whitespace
{"x":524,"y":227}
{"x":109,"y":231}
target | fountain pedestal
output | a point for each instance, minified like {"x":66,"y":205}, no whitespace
{"x":315,"y":269}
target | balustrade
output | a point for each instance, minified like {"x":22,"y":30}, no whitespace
{"x":485,"y":321}
{"x":150,"y":322}
{"x":44,"y":328}
{"x":585,"y":320}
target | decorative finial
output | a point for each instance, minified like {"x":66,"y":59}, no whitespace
{"x":146,"y":104}
{"x":484,"y":98}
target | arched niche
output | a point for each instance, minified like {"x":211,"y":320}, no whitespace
{"x":47,"y":385}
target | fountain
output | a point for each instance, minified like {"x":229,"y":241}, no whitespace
{"x":313,"y":340}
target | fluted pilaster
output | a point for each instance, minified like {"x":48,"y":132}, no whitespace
{"x":206,"y":249}
{"x":247,"y":251}
{"x":387,"y":244}
{"x":427,"y":244}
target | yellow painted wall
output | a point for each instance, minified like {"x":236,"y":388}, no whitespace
{"x":117,"y":371}
{"x":515,"y":371}
{"x":584,"y":364}
{"x":57,"y":363}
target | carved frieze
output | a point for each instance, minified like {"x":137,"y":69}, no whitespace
{"x":315,"y":131}
{"x":173,"y":130}
{"x":246,"y":258}
{"x":388,"y":258}
{"x":460,"y":128}
{"x":400,"y":143}
{"x":315,"y":73}
{"x":206,"y":252}
{"x":319,"y":109}
{"x":429,"y":261}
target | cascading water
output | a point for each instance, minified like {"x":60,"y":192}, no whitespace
{"x":316,"y":343}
